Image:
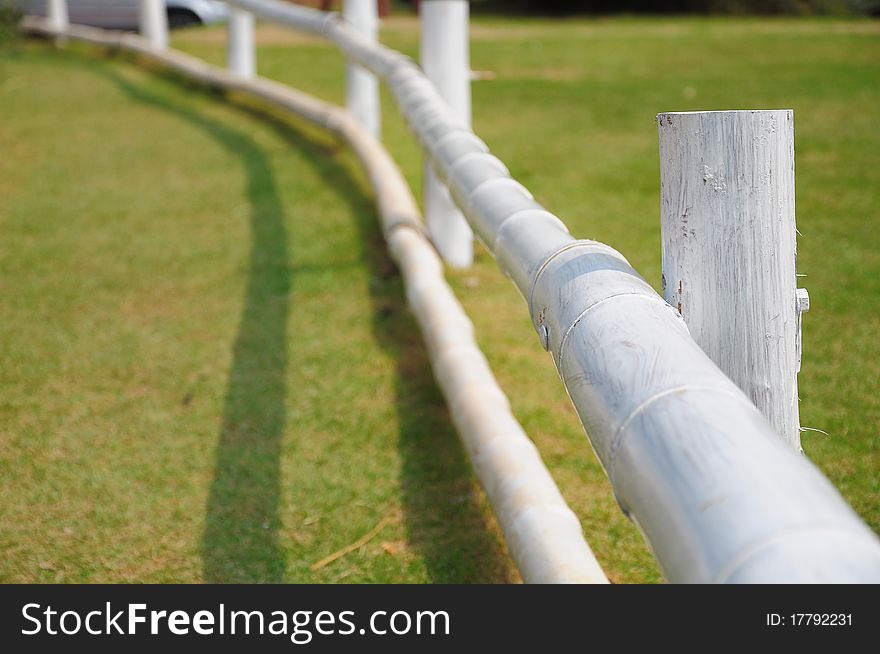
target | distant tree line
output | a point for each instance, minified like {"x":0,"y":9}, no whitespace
{"x":791,"y":7}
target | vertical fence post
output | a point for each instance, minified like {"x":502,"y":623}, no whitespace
{"x":241,"y":51}
{"x":445,"y":59}
{"x":56,"y":12}
{"x":361,"y":86}
{"x":154,"y":22}
{"x":728,"y":232}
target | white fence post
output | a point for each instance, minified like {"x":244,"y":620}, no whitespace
{"x":241,"y":50}
{"x":445,"y":59}
{"x":154,"y":22}
{"x":361,"y":86}
{"x":728,"y":230}
{"x":56,"y":12}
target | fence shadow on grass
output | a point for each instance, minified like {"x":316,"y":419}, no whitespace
{"x":240,"y":540}
{"x":444,"y":515}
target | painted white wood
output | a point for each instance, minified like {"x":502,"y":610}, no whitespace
{"x":361,"y":86}
{"x":445,"y":58}
{"x":241,"y":48}
{"x":718,"y":495}
{"x":154,"y":22}
{"x":728,"y":231}
{"x":56,"y":13}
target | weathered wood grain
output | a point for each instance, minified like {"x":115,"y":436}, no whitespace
{"x":728,"y":232}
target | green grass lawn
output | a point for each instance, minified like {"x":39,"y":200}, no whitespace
{"x":207,"y":368}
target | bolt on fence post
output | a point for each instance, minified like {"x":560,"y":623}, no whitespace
{"x":241,"y":50}
{"x":728,"y":232}
{"x":361,"y":86}
{"x":445,"y":58}
{"x":154,"y":22}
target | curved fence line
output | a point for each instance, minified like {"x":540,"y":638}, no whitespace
{"x":543,"y":534}
{"x":717,"y":493}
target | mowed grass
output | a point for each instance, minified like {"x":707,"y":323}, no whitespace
{"x":208,"y":370}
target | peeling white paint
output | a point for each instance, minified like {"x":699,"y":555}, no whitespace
{"x":727,"y":180}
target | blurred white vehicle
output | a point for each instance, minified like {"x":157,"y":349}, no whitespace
{"x":123,"y":14}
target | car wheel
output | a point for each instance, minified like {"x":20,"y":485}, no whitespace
{"x":182,"y":18}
